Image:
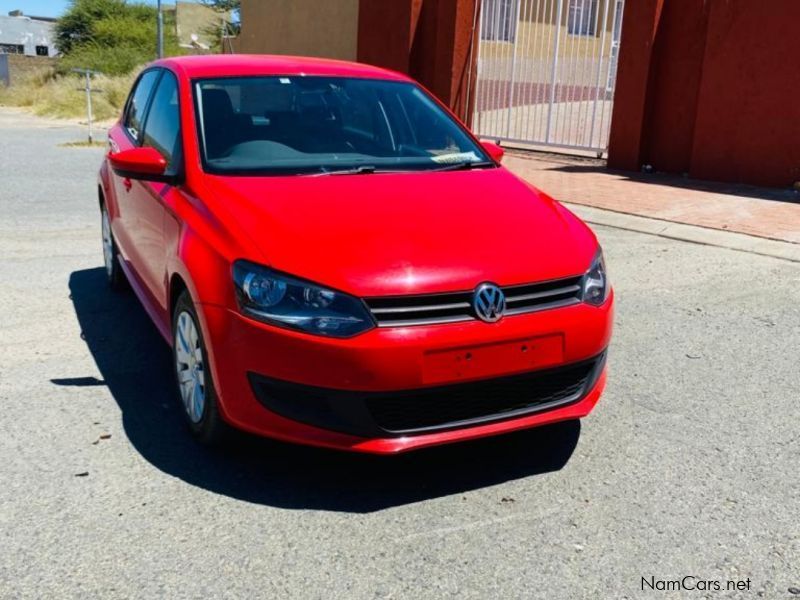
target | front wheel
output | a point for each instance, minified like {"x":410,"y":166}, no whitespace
{"x":193,"y":377}
{"x":114,"y":274}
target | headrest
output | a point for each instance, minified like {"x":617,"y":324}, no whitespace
{"x":217,"y":102}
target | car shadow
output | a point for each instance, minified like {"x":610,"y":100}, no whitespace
{"x":134,"y":362}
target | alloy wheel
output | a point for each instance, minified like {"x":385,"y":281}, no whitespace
{"x":108,"y":244}
{"x":190,"y":367}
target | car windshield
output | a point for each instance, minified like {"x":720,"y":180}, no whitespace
{"x":326,"y":125}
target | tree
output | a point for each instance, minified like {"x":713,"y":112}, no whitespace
{"x":112,"y":36}
{"x":75,"y":27}
{"x":224,"y":5}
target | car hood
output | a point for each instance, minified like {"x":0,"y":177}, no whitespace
{"x":407,"y":233}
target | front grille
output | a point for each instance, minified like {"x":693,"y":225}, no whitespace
{"x":464,"y":404}
{"x":397,"y":311}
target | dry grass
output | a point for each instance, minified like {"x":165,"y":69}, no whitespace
{"x":84,"y":144}
{"x":47,"y":94}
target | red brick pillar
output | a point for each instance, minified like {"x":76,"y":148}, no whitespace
{"x":431,"y":40}
{"x":627,"y":142}
{"x":386,"y":32}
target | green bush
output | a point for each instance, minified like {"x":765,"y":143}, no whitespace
{"x":111,"y":36}
{"x":118,"y":60}
{"x":75,"y":26}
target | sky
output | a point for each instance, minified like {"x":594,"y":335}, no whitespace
{"x":45,"y":8}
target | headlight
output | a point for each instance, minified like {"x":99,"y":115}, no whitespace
{"x":287,"y":302}
{"x":595,"y":282}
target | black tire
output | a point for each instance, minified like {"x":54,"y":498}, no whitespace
{"x":209,"y":428}
{"x":114,"y":274}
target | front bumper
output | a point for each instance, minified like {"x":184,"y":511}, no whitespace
{"x":258,"y":369}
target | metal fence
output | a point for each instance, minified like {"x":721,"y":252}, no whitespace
{"x":546,"y":71}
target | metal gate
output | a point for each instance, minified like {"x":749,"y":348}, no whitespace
{"x":546,"y":71}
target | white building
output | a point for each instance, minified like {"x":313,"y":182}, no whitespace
{"x":31,"y":36}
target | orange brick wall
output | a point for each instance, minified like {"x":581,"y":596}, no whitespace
{"x":709,"y":88}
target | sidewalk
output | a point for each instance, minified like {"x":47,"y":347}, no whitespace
{"x":768,"y":213}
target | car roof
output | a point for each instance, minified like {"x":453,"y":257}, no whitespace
{"x":233,"y":65}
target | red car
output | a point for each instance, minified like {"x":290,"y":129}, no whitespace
{"x":335,"y":260}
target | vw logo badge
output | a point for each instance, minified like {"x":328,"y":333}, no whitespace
{"x":489,"y":302}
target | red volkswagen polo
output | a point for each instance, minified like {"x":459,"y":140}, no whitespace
{"x":335,"y":260}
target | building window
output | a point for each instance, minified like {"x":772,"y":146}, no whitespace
{"x":12,"y":49}
{"x":499,"y":20}
{"x":582,"y":17}
{"x":42,"y":51}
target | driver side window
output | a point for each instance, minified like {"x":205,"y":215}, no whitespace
{"x":162,"y":129}
{"x":137,"y":104}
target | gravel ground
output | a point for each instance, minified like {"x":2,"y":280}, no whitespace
{"x":688,"y":467}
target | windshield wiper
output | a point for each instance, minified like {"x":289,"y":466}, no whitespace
{"x":465,"y":166}
{"x":370,"y":169}
{"x":358,"y":170}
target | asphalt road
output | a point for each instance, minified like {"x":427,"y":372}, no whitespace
{"x":688,"y":467}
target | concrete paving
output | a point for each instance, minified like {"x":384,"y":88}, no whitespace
{"x":688,"y":467}
{"x":687,"y":233}
{"x":569,"y":123}
{"x":769,"y":213}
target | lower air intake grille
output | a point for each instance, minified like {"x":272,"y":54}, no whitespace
{"x":462,"y":404}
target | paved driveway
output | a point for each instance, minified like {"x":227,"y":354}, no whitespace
{"x":689,"y":466}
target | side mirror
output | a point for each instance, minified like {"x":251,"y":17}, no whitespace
{"x":140,"y":163}
{"x":495,"y":151}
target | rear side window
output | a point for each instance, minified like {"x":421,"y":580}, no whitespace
{"x":137,"y":104}
{"x":162,"y":129}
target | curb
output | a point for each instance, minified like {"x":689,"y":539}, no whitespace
{"x":688,"y":233}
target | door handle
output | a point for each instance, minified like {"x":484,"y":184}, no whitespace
{"x":127,"y":183}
